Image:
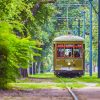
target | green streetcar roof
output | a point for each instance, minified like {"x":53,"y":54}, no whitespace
{"x":68,"y":38}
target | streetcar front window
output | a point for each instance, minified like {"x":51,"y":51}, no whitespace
{"x":68,"y":50}
{"x":60,"y":50}
{"x":77,"y":50}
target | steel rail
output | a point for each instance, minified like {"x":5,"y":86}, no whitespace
{"x":73,"y":94}
{"x":70,"y":91}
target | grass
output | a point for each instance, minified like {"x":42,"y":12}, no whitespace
{"x":32,"y":85}
{"x":98,"y":85}
{"x":43,"y":75}
{"x":23,"y":86}
{"x":85,"y":78}
{"x":56,"y":83}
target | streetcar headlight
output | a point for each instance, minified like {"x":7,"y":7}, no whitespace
{"x":69,"y":63}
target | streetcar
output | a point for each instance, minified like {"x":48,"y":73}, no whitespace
{"x":69,"y":56}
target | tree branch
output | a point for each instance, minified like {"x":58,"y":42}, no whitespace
{"x":47,"y":1}
{"x":39,"y":3}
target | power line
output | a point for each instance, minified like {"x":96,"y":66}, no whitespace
{"x":72,"y":4}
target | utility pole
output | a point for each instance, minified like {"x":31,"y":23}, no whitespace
{"x":98,"y":38}
{"x":90,"y":70}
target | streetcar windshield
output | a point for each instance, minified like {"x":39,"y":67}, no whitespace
{"x":60,"y":50}
{"x":77,"y":52}
{"x":67,"y":51}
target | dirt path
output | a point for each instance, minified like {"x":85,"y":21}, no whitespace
{"x":40,"y":94}
{"x":90,"y":93}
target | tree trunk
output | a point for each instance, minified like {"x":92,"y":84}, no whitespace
{"x":39,"y":67}
{"x":34,"y":68}
{"x":23,"y":72}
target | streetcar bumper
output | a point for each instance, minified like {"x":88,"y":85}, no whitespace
{"x":74,"y":73}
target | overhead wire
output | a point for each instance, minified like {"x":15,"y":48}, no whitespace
{"x":93,"y":8}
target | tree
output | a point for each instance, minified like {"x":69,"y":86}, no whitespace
{"x":19,"y":31}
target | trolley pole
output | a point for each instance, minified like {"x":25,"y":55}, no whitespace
{"x":83,"y":24}
{"x":78,"y":27}
{"x":98,"y":38}
{"x":90,"y":70}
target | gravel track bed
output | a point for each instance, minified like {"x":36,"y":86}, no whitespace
{"x":39,"y":94}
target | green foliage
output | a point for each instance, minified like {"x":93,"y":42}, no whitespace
{"x":17,"y":48}
{"x":15,"y":52}
{"x":5,"y":73}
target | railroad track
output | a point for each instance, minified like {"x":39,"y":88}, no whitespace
{"x":73,"y":95}
{"x":69,"y":91}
